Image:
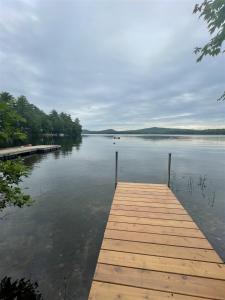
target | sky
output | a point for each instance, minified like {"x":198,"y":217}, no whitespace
{"x":122,"y":64}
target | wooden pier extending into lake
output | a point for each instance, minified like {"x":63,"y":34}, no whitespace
{"x":9,"y":153}
{"x":152,"y":249}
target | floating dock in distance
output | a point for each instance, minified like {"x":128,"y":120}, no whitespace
{"x":10,"y":153}
{"x":152,"y":249}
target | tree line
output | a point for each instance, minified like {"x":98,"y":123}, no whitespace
{"x":20,"y":118}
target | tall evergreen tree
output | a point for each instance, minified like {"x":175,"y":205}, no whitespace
{"x":19,"y":116}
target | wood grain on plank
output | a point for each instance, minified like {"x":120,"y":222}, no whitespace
{"x":136,"y":220}
{"x":152,"y":249}
{"x":158,"y":239}
{"x":185,"y":232}
{"x":140,"y":203}
{"x":169,"y":282}
{"x":161,"y":250}
{"x":144,"y":193}
{"x":142,"y":185}
{"x":147,"y":199}
{"x":144,"y":189}
{"x":163,"y":264}
{"x":144,"y":214}
{"x":108,"y":291}
{"x":178,"y":211}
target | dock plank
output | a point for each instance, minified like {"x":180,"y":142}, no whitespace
{"x":161,"y":281}
{"x":9,"y":153}
{"x":152,"y":249}
{"x":138,"y":220}
{"x":166,"y":210}
{"x":149,"y":204}
{"x":101,"y":290}
{"x":163,"y":264}
{"x":145,"y":214}
{"x":188,"y":232}
{"x":158,"y":239}
{"x":146,"y":199}
{"x":161,"y":250}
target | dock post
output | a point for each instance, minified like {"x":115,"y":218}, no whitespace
{"x":169,"y":169}
{"x":116,"y":170}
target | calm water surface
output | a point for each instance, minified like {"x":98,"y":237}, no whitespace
{"x":56,"y":241}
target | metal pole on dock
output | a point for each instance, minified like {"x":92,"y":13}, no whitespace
{"x":169,"y":169}
{"x":116,"y":170}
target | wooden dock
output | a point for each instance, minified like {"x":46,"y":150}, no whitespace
{"x":152,"y":249}
{"x":9,"y":153}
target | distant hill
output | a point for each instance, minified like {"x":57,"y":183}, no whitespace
{"x":158,"y":130}
{"x":106,"y":131}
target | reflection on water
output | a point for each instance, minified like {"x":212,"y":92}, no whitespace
{"x":55,"y":242}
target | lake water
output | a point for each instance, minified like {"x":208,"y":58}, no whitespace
{"x":56,"y":240}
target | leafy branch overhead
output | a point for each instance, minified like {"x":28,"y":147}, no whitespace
{"x":213,"y":13}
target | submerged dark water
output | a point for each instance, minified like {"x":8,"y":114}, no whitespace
{"x":56,"y":241}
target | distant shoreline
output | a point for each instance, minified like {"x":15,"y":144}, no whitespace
{"x":158,"y":131}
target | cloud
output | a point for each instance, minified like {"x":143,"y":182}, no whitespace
{"x":114,"y":64}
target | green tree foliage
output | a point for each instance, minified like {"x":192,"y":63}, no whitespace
{"x":213,"y":12}
{"x":77,"y":128}
{"x":10,"y":122}
{"x":56,"y":122}
{"x":19,"y":117}
{"x":34,"y":117}
{"x":11,"y":172}
{"x":10,"y":177}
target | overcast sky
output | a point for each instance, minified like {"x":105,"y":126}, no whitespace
{"x":112,"y":63}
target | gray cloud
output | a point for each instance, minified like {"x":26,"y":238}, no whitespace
{"x":113,"y":63}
